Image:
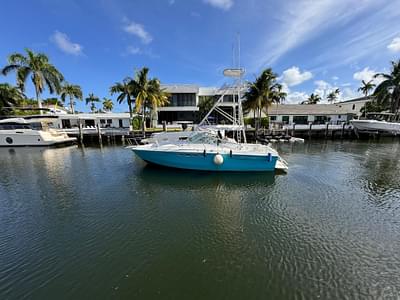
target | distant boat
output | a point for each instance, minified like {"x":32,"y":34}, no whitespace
{"x":20,"y":132}
{"x":378,"y":122}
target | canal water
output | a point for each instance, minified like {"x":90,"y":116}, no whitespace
{"x":99,"y":224}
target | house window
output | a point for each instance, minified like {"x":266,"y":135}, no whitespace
{"x":354,"y":106}
{"x":120,"y":123}
{"x":339,"y":116}
{"x":300,"y":119}
{"x":285,"y":119}
{"x":272,"y":118}
{"x":320,"y":119}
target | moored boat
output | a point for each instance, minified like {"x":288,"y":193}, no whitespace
{"x":208,"y":152}
{"x":378,"y":122}
{"x":207,"y":148}
{"x":16,"y":132}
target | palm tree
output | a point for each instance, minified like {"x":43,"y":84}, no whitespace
{"x":147,"y":93}
{"x":332,"y":96}
{"x":387,"y":93}
{"x":125,"y":91}
{"x":157,"y":98}
{"x":9,"y":97}
{"x":92,"y":99}
{"x":107,"y":104}
{"x":72,"y":91}
{"x":262,"y":93}
{"x":313,"y":99}
{"x":366,"y":87}
{"x":43,"y":73}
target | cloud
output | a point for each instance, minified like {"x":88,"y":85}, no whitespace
{"x":335,"y":78}
{"x":296,"y":97}
{"x":303,"y":20}
{"x":394,"y":45}
{"x":137,"y":30}
{"x":293,"y":76}
{"x":195,"y":14}
{"x":367,"y":75}
{"x":222,"y":4}
{"x":64,"y":43}
{"x":133,"y":50}
{"x":171,"y":2}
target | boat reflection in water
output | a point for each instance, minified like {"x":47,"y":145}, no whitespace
{"x":183,"y":179}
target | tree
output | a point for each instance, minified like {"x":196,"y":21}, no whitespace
{"x":107,"y":104}
{"x":332,"y":96}
{"x":53,"y":101}
{"x":313,"y":99}
{"x":206,"y":103}
{"x":279,"y":95}
{"x":262,"y":93}
{"x":147,"y":93}
{"x":9,"y":97}
{"x":387,"y":93}
{"x":157,"y":98}
{"x":72,"y":91}
{"x":92,"y":99}
{"x":125,"y":91}
{"x":366,"y":87}
{"x":36,"y":65}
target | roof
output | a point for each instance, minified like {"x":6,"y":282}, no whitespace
{"x":309,"y":109}
{"x":368,"y":98}
{"x":180,"y":88}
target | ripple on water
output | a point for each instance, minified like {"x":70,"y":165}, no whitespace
{"x":99,"y":224}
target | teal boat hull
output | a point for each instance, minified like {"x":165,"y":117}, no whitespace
{"x":205,"y":161}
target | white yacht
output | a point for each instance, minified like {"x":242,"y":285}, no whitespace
{"x":20,"y":132}
{"x":208,"y":149}
{"x":378,"y":122}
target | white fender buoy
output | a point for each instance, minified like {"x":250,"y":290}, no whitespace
{"x":218,"y":159}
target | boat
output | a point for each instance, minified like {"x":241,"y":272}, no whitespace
{"x":386,"y":123}
{"x":18,"y":132}
{"x":209,"y":152}
{"x":207,"y":148}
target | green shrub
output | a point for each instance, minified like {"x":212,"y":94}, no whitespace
{"x":137,"y":123}
{"x":251,"y":121}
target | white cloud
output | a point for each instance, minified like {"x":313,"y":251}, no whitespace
{"x":64,"y":43}
{"x":293,"y":76}
{"x":367,"y":75}
{"x":303,"y":20}
{"x":222,"y":4}
{"x":394,"y":45}
{"x":335,"y":78}
{"x":348,"y":93}
{"x":195,"y":14}
{"x":296,"y":97}
{"x":137,"y":30}
{"x":133,"y":50}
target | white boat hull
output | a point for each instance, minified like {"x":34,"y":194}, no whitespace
{"x":29,"y":137}
{"x":376,"y":126}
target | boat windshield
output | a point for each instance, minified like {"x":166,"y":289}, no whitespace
{"x":203,"y":138}
{"x":388,"y":117}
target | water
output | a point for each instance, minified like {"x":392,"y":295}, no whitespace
{"x":99,"y":224}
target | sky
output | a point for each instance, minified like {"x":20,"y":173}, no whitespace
{"x":314,"y":46}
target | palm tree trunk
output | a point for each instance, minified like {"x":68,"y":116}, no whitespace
{"x":130,"y":108}
{"x":38,"y":100}
{"x":143,"y":121}
{"x":71,"y":104}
